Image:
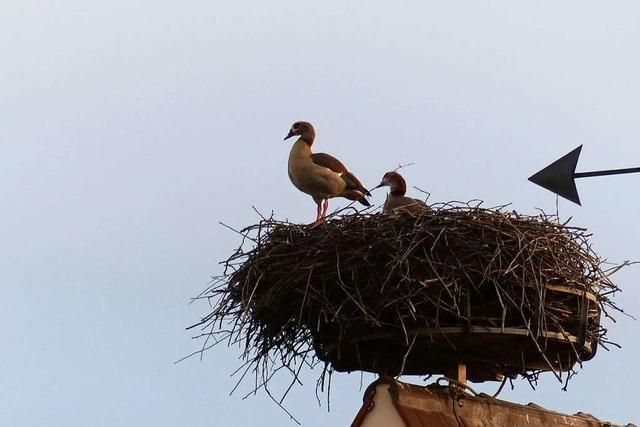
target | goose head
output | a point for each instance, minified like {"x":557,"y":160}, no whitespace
{"x":395,"y":182}
{"x":304,"y":130}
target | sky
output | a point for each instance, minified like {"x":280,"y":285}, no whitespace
{"x":130,"y":129}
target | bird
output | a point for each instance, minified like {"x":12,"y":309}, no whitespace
{"x":396,"y":199}
{"x":320,"y":175}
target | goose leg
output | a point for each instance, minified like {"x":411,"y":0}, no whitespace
{"x":319,"y":217}
{"x":325,"y":207}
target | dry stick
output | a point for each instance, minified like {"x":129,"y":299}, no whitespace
{"x":295,"y":379}
{"x":344,"y":287}
{"x":320,"y":383}
{"x":248,"y":365}
{"x":504,"y":381}
{"x":236,"y":231}
{"x":406,"y":354}
{"x":401,"y":165}
{"x":306,"y":291}
{"x":535,"y":341}
{"x":281,"y":407}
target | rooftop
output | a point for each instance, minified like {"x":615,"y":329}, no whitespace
{"x":391,"y":403}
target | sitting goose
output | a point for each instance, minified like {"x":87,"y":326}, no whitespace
{"x":320,"y":175}
{"x":396,"y":199}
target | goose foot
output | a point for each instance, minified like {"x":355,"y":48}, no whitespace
{"x":316,"y":223}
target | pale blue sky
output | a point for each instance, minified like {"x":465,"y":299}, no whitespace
{"x":128,"y":129}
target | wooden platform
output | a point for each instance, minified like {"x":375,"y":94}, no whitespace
{"x":491,"y":344}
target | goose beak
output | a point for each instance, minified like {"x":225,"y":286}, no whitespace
{"x":382,"y":184}
{"x":289,"y":135}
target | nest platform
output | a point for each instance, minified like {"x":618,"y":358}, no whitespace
{"x":503,"y":293}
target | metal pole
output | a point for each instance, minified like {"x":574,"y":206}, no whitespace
{"x":605,"y":172}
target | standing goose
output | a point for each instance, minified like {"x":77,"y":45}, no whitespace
{"x":320,"y":175}
{"x":396,"y":199}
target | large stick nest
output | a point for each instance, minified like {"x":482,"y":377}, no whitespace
{"x":385,"y":293}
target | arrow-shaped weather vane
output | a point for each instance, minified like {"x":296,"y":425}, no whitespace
{"x":560,"y":175}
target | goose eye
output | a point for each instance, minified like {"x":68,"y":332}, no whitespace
{"x":296,"y":125}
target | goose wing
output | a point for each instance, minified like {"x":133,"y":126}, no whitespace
{"x":328,"y":161}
